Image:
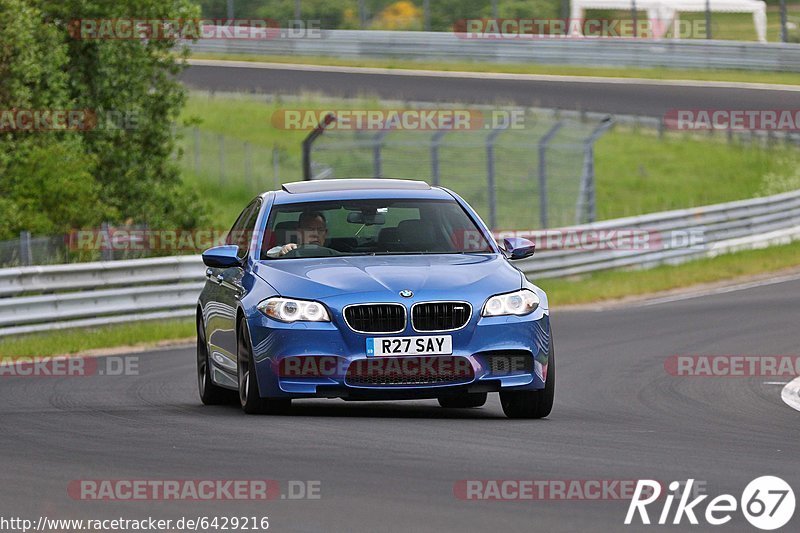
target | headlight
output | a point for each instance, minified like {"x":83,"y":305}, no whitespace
{"x":291,"y":310}
{"x":513,"y":303}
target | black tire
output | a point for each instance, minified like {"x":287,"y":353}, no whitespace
{"x":249,"y":397}
{"x":532,"y":404}
{"x":210,"y":393}
{"x":463,"y":401}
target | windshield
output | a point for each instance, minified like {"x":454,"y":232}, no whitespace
{"x":371,"y":227}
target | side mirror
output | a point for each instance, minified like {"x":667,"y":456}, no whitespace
{"x":222,"y":256}
{"x":517,"y":248}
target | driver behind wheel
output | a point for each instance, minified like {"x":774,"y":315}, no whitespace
{"x":312,"y":230}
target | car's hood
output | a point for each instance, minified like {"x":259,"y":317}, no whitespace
{"x":430,"y":275}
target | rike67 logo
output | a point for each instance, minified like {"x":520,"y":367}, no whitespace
{"x":767,"y":503}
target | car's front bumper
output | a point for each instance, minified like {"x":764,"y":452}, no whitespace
{"x":498,"y":352}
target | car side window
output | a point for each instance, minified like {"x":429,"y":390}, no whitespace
{"x":242,"y":230}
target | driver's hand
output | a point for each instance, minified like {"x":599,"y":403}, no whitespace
{"x":287,"y":248}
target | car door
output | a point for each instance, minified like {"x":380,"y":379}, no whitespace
{"x":230,"y":279}
{"x":221,"y":320}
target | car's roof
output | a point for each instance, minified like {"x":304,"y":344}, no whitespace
{"x":358,"y":184}
{"x":357,"y":188}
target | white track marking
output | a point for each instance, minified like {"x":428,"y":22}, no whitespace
{"x":718,"y":290}
{"x":491,"y":75}
{"x":791,"y":394}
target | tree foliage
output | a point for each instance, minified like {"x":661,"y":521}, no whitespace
{"x":120,"y":170}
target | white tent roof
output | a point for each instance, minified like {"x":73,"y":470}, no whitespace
{"x":669,"y":9}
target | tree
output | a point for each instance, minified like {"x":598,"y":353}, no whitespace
{"x":123,"y":169}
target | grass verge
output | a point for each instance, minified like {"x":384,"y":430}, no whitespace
{"x":616,"y":284}
{"x":71,"y":341}
{"x":781,"y":78}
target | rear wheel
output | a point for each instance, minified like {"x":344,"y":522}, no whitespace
{"x":532,"y":404}
{"x":210,"y":393}
{"x":249,"y":396}
{"x":463,"y":401}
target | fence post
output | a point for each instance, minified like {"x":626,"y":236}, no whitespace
{"x":106,"y":251}
{"x":543,"y":142}
{"x":248,"y":164}
{"x":377,"y":163}
{"x":435,"y":141}
{"x":586,"y":195}
{"x":25,"y":252}
{"x":308,"y":142}
{"x":490,"y":182}
{"x":276,"y":167}
{"x":221,"y":140}
{"x":196,"y":135}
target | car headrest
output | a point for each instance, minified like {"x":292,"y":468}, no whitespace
{"x":416,"y":234}
{"x":388,"y":236}
{"x":286,"y":232}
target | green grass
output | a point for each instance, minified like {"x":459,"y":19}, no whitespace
{"x":636,"y":171}
{"x":782,"y":78}
{"x":615,"y":284}
{"x":71,"y":341}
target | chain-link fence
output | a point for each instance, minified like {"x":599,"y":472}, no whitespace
{"x":106,"y":243}
{"x":541,"y":175}
{"x":229,"y":162}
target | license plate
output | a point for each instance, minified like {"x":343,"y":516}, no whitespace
{"x":432,"y":345}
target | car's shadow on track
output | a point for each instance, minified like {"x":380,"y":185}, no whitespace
{"x":368,"y":409}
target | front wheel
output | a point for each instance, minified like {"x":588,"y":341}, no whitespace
{"x":532,"y":404}
{"x":249,"y":396}
{"x":210,"y":393}
{"x":463,"y":401}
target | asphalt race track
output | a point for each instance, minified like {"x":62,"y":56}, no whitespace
{"x":619,"y":98}
{"x":393,"y":466}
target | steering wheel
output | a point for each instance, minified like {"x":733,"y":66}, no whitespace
{"x":311,"y":250}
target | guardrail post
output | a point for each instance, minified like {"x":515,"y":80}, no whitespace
{"x":490,"y":182}
{"x":543,"y":142}
{"x":25,"y":252}
{"x":435,"y":142}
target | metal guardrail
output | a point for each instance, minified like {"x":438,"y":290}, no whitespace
{"x":90,"y":294}
{"x":649,"y":53}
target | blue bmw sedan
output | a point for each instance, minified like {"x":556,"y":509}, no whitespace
{"x":371,"y":289}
